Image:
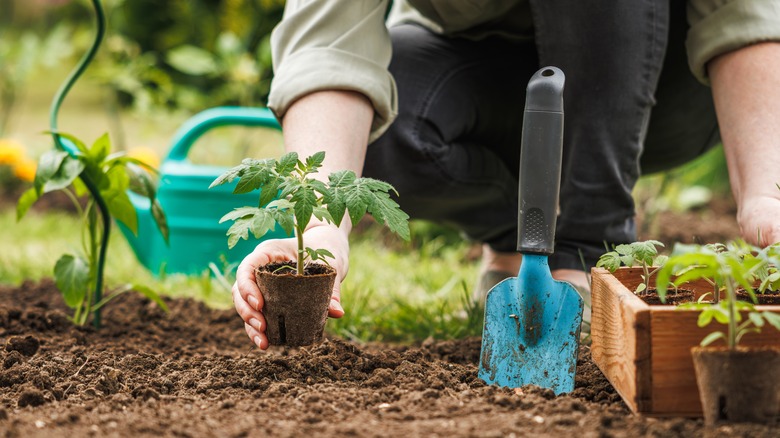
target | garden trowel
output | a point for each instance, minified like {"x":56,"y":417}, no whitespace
{"x":532,"y":322}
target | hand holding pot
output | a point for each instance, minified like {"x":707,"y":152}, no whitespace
{"x":247,"y":298}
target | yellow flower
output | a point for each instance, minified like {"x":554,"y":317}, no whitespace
{"x":24,"y":169}
{"x":11,"y":151}
{"x":145,"y":154}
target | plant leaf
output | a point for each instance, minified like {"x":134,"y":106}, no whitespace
{"x":100,"y":148}
{"x":48,"y":165}
{"x":192,"y":60}
{"x":712,"y":337}
{"x":71,"y":275}
{"x":26,"y":201}
{"x":160,"y":220}
{"x":772,"y":318}
{"x":286,"y":163}
{"x":151,"y":294}
{"x":305,"y":199}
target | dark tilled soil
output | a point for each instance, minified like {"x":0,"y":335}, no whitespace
{"x":193,"y":373}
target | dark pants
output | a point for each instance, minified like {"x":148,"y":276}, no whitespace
{"x":630,"y":103}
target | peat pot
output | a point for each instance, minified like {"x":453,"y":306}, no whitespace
{"x":645,"y":350}
{"x":295,"y":306}
{"x":738,"y":385}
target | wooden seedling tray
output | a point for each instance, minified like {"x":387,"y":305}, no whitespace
{"x":644,"y":350}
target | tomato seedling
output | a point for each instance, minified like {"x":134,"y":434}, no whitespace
{"x":290,"y":197}
{"x":731,"y":266}
{"x":644,"y":254}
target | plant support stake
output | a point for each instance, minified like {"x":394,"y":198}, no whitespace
{"x":55,"y":108}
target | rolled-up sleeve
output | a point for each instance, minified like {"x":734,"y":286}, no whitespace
{"x":721,"y":26}
{"x":334,"y":45}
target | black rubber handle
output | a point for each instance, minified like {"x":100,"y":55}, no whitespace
{"x":540,"y":162}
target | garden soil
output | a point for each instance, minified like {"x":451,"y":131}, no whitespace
{"x":192,"y":373}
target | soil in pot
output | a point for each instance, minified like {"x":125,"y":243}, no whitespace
{"x":763,"y":299}
{"x":738,"y":385}
{"x":672,"y":298}
{"x":296,"y":306}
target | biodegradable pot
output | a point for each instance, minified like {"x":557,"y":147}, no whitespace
{"x":738,"y":385}
{"x":296,"y":306}
{"x":645,"y":350}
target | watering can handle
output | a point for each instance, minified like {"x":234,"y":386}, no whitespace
{"x":211,"y":118}
{"x":540,"y":162}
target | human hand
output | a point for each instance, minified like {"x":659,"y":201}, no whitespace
{"x":759,"y":219}
{"x":247,"y":298}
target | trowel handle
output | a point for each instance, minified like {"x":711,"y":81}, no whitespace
{"x":540,"y":162}
{"x":212,"y":118}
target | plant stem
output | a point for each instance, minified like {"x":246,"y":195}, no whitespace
{"x":299,"y":235}
{"x":646,"y":278}
{"x":93,"y":189}
{"x":732,"y":309}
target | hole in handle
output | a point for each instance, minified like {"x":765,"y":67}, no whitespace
{"x":548,"y":72}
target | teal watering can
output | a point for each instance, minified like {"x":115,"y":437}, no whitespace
{"x":193,"y":211}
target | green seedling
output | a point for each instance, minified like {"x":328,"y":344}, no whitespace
{"x":80,"y":276}
{"x":290,"y":197}
{"x":732,"y":266}
{"x":644,"y":254}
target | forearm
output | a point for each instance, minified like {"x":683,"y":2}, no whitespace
{"x":746,"y":90}
{"x":337,"y":122}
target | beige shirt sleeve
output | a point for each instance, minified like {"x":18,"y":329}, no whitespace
{"x":334,"y":45}
{"x":721,"y":26}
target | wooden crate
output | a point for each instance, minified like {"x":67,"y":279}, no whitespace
{"x":644,"y":350}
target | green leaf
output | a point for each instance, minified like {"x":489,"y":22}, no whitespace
{"x":248,"y":219}
{"x":756,"y":319}
{"x":712,"y":337}
{"x":239,"y":213}
{"x":640,"y":288}
{"x":151,"y":294}
{"x":71,"y":275}
{"x":335,"y":197}
{"x":322,"y":214}
{"x":305,"y":200}
{"x":140,"y":181}
{"x":229,"y":175}
{"x":287,"y":163}
{"x":314,"y":162}
{"x":160,"y":220}
{"x":192,"y":60}
{"x":269,"y":191}
{"x":118,"y":202}
{"x":609,"y":261}
{"x":48,"y":165}
{"x":318,"y":254}
{"x":100,"y":148}
{"x":26,"y":201}
{"x":70,"y":169}
{"x":253,"y":178}
{"x":285,"y":220}
{"x":772,"y":318}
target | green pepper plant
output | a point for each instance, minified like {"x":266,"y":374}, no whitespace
{"x":290,"y":197}
{"x":80,"y":276}
{"x":643,"y":254}
{"x":733,"y":265}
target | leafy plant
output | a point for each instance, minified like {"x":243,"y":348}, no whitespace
{"x":290,"y":197}
{"x":733,"y":265}
{"x":644,"y":254}
{"x":112,"y":174}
